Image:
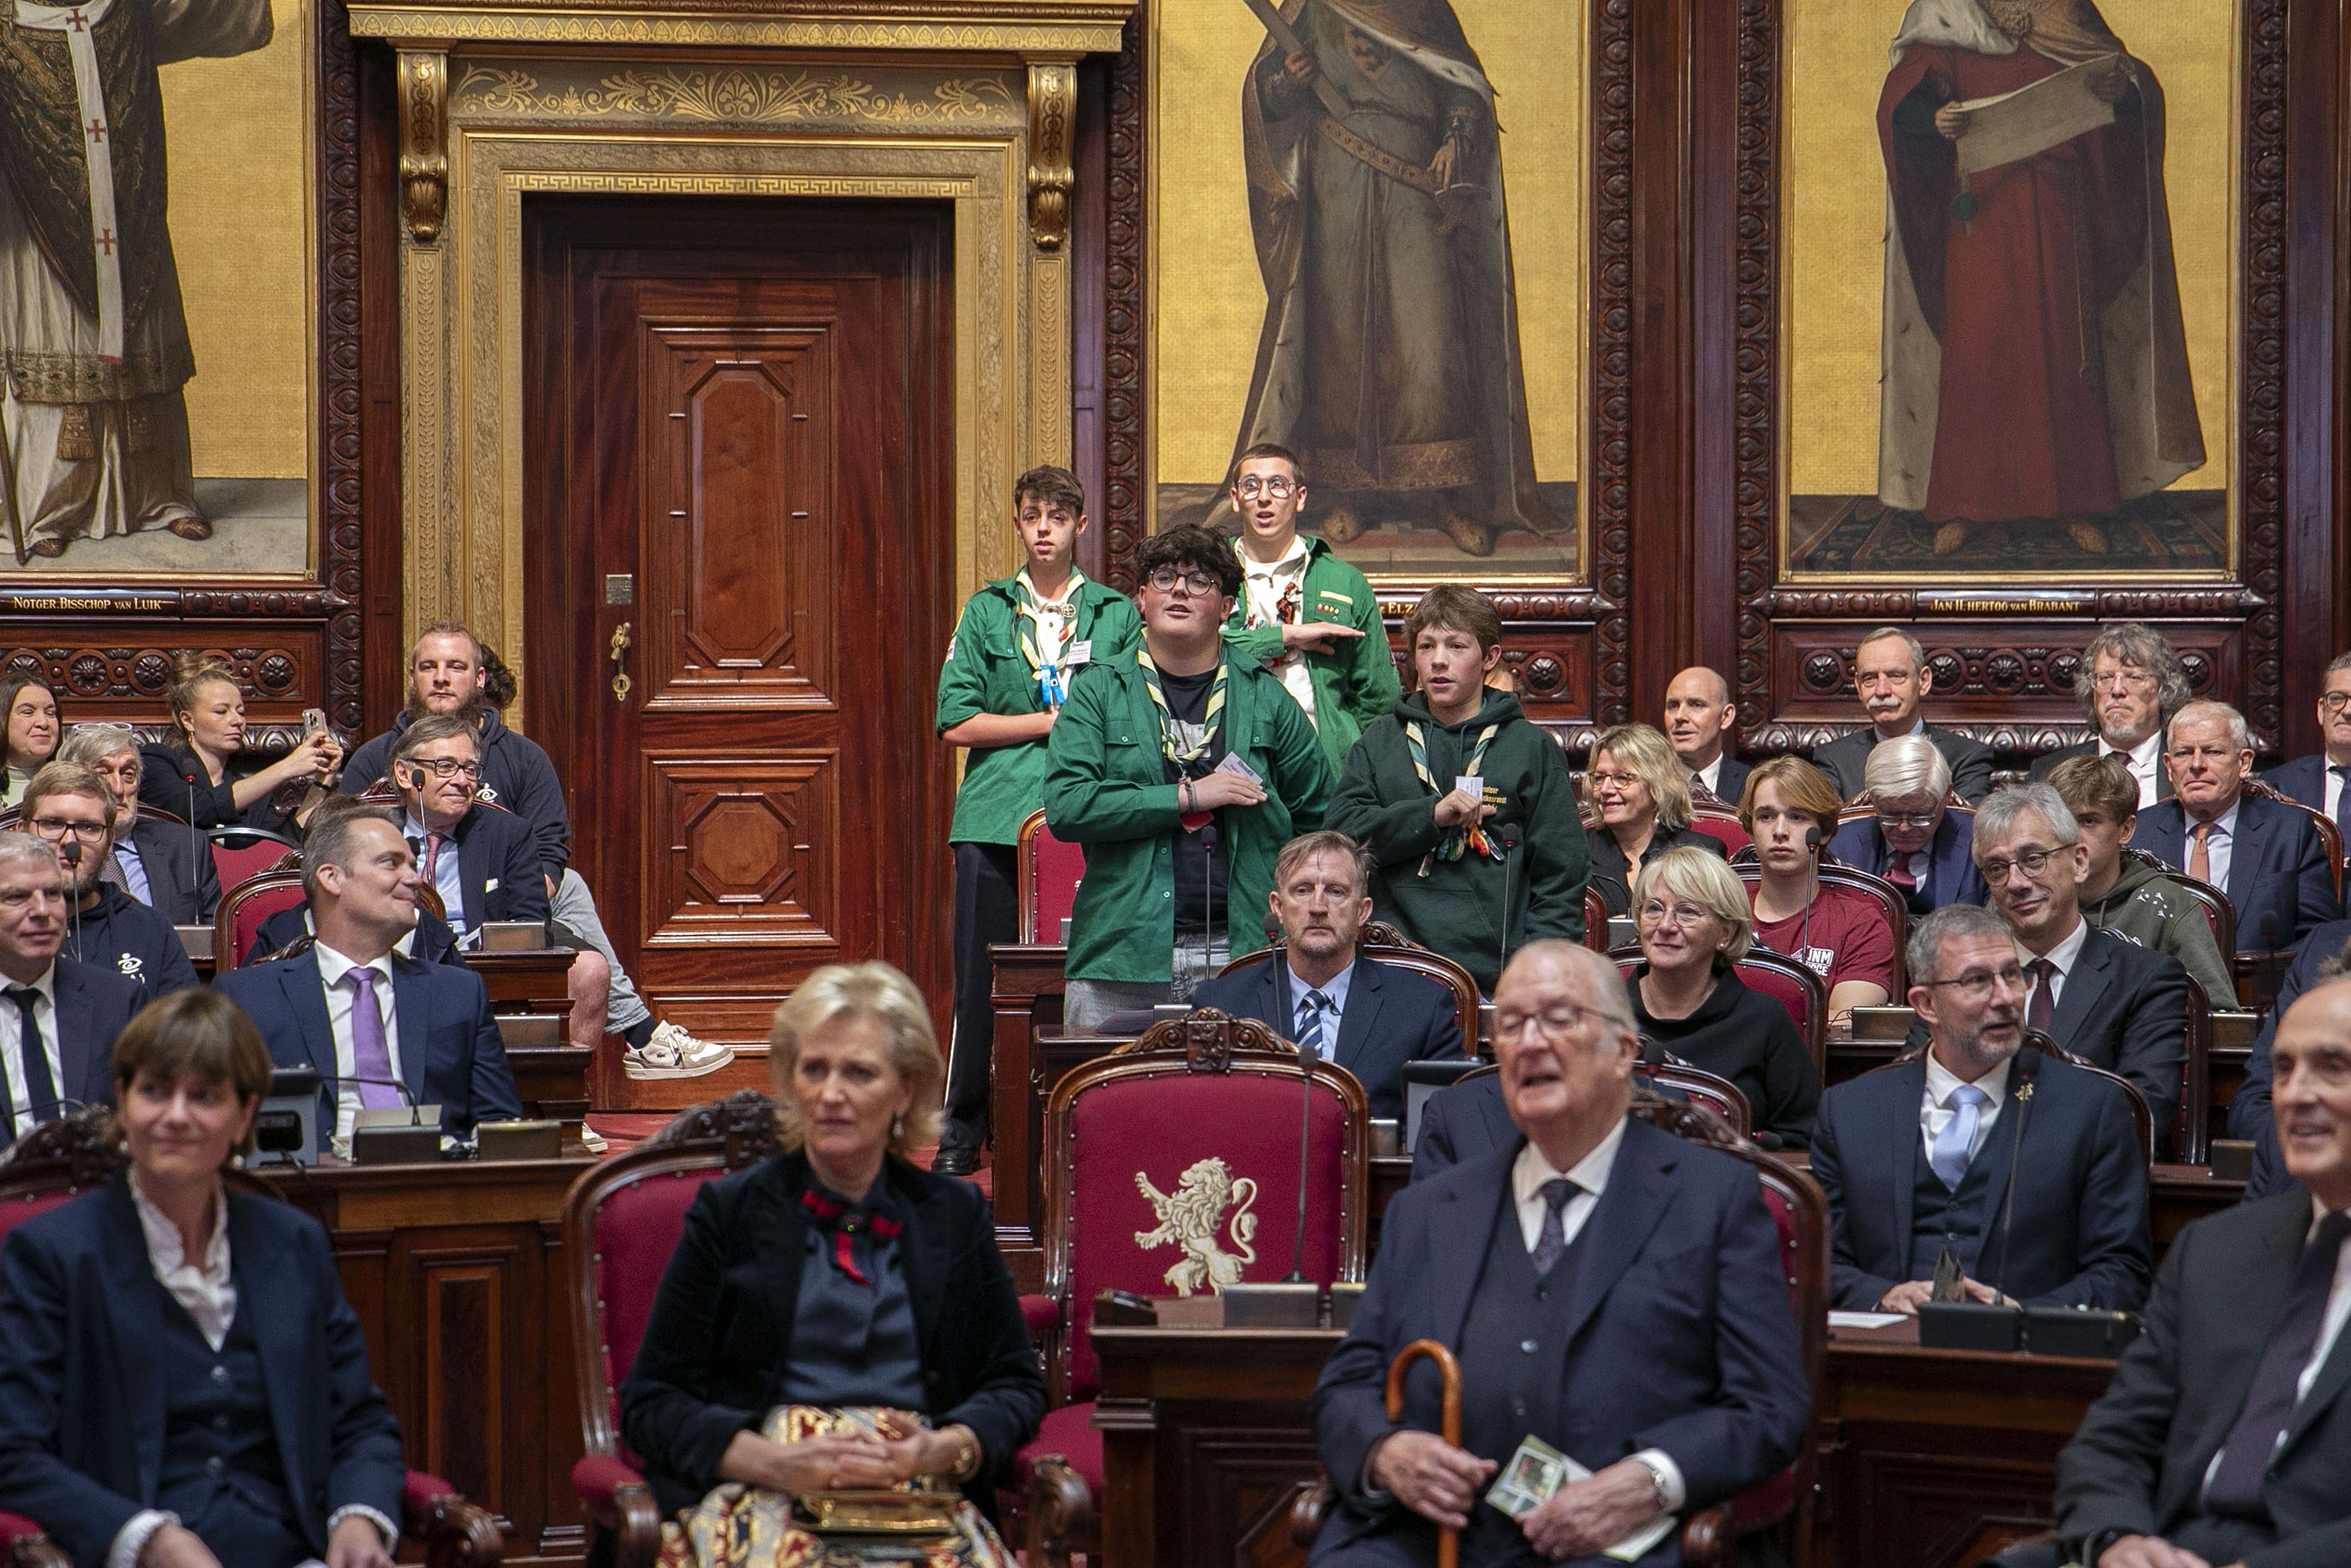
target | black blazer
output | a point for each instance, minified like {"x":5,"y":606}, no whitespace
{"x":1679,"y":1336}
{"x":450,"y":1051}
{"x":1951,"y":874}
{"x":2276,"y":868}
{"x":183,"y":884}
{"x":497,"y":856}
{"x":1730,"y":779}
{"x":93,"y":1003}
{"x":1748,"y":1038}
{"x":82,"y":1396}
{"x":287,"y":935}
{"x":2125,"y":1009}
{"x":1844,"y":758}
{"x":2138,"y":1462}
{"x":712,"y":1360}
{"x":1609,"y":869}
{"x":2046,"y":763}
{"x":171,"y":780}
{"x":2080,"y":1233}
{"x":2250,"y":1114}
{"x":1392,"y":1017}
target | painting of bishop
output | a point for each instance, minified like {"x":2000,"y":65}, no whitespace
{"x":2035,"y":368}
{"x":93,"y":424}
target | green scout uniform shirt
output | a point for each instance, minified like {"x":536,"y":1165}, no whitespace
{"x":1382,"y":804}
{"x":1354,"y":687}
{"x":985,"y":672}
{"x":1107,"y":789}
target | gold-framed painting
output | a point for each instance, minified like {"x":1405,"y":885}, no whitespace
{"x":157,"y":293}
{"x":2009,"y":291}
{"x":1372,"y":249}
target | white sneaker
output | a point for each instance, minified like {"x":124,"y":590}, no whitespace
{"x":591,"y":1140}
{"x":672,"y":1052}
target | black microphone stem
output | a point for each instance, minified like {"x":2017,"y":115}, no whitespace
{"x":1297,"y":1275}
{"x":1508,"y":840}
{"x":2015,"y":1153}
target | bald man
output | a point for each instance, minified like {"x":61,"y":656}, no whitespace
{"x":1698,"y":721}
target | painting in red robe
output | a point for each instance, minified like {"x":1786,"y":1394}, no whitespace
{"x":2035,"y":366}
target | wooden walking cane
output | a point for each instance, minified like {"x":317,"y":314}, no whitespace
{"x":1449,"y":1542}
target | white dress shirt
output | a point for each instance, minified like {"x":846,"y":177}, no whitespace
{"x":12,"y":1050}
{"x":2219,"y":845}
{"x":1265,"y":584}
{"x":2063,"y":956}
{"x":1935,"y":1111}
{"x":1528,"y":1174}
{"x":332,"y":967}
{"x":1335,"y":988}
{"x":1055,"y":617}
{"x":2145,"y":761}
{"x":448,"y":874}
{"x":206,"y":1290}
{"x":1710,"y":775}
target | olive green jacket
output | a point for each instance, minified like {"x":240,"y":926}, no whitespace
{"x":2147,"y":907}
{"x":1354,"y":686}
{"x":985,"y":672}
{"x":1106,"y":788}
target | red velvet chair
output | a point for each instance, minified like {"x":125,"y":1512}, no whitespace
{"x":1384,"y":944}
{"x":622,"y":1221}
{"x":242,"y":852}
{"x":1047,"y":872}
{"x":1190,"y":1090}
{"x":1710,"y":1537}
{"x":1722,"y":826}
{"x":54,"y":1164}
{"x":236,"y":924}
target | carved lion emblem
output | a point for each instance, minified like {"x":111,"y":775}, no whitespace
{"x":1189,"y":1217}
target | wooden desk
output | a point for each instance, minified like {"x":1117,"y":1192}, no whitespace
{"x":457,"y":1275}
{"x":1937,"y":1459}
{"x":1025,"y":994}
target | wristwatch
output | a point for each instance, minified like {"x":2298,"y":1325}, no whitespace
{"x":1656,"y":1478}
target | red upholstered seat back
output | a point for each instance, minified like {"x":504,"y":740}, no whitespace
{"x":241,"y":853}
{"x":1125,"y":1132}
{"x":636,"y":1228}
{"x":246,"y":914}
{"x":1049,"y":871}
{"x":17,"y":1208}
{"x":1780,"y":988}
{"x":1722,"y":826}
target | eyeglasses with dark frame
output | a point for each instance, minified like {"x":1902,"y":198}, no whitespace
{"x":447,"y":766}
{"x":1199,"y":584}
{"x":54,"y":828}
{"x":2034,"y":862}
{"x":1975,"y":985}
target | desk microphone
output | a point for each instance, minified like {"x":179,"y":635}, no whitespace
{"x":1812,"y":872}
{"x":416,"y":1112}
{"x":69,"y":857}
{"x":2028,"y":1063}
{"x":1297,"y":1275}
{"x":1508,"y":837}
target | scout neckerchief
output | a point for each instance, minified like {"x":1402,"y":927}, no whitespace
{"x":1168,"y":715}
{"x":1052,"y":676}
{"x":1290,"y":604}
{"x":1456,"y":839}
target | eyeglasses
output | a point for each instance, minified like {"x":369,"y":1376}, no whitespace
{"x":1196,"y":583}
{"x":2335,"y":702}
{"x":1685,"y":916}
{"x":447,"y":766}
{"x":1278,"y":488}
{"x":2130,"y":680}
{"x":1976,"y":983}
{"x":1906,"y":818}
{"x":1556,"y":1023}
{"x":1622,"y":781}
{"x":55,"y":830}
{"x":2034,"y":861}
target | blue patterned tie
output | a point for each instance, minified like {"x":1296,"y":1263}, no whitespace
{"x":1955,"y":1146}
{"x":1309,"y":1022}
{"x":1552,"y":1243}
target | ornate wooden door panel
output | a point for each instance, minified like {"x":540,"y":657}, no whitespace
{"x":760,"y":491}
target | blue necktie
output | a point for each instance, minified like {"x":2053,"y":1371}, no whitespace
{"x":1956,"y":1145}
{"x":1309,"y":1022}
{"x":1552,"y":1243}
{"x":40,"y":1089}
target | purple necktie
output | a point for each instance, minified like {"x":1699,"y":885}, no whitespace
{"x":370,"y":1057}
{"x":2235,"y":1488}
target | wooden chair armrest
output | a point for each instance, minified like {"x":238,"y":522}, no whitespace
{"x":454,"y":1533}
{"x":618,"y":1500}
{"x":1060,"y":1511}
{"x":1710,"y":1537}
{"x":37,"y":1552}
{"x":1310,"y":1506}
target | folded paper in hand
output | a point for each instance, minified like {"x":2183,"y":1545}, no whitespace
{"x":2009,"y":126}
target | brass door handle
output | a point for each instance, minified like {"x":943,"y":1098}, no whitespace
{"x":619,"y":660}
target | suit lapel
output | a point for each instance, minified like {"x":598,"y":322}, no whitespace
{"x":779,"y":1241}
{"x":1638,"y":1190}
{"x":305,"y":999}
{"x":1363,"y":996}
{"x":2258,"y":1281}
{"x":1458,"y":1236}
{"x":1898,"y":1137}
{"x":135,"y":1308}
{"x":412,"y":1008}
{"x":2253,"y":828}
{"x":1996,"y":1158}
{"x":2092,"y":970}
{"x":1279,"y":1011}
{"x":261,"y":1291}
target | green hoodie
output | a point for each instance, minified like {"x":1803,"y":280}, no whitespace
{"x":1354,"y":686}
{"x":1382,"y":803}
{"x":2147,"y":907}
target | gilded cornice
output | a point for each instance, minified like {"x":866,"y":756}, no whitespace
{"x":735,"y":95}
{"x":991,"y":26}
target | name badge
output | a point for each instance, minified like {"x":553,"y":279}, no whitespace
{"x":1471,"y":785}
{"x":1078,"y":654}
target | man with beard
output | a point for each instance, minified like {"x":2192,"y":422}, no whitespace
{"x":2129,"y":682}
{"x":1389,"y":356}
{"x":163,"y":863}
{"x":71,"y":807}
{"x":1369,"y":1017}
{"x":445,"y":677}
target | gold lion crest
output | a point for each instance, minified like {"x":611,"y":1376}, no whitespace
{"x":1188,"y":1218}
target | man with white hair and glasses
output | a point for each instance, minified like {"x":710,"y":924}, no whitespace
{"x":1912,"y":838}
{"x":165,"y":866}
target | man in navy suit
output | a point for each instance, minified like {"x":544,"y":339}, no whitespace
{"x":352,"y":1007}
{"x":1608,"y":1289}
{"x":1891,"y":678}
{"x":2316,"y":780}
{"x":164,"y":864}
{"x":2251,"y":1115}
{"x":1699,"y":719}
{"x":1920,"y":1158}
{"x":77,"y":1010}
{"x":1913,"y":838}
{"x":482,"y":860}
{"x":2129,"y":682}
{"x":1369,"y":1018}
{"x":2264,"y":855}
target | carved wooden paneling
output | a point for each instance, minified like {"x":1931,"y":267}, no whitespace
{"x":283,"y":666}
{"x":1934,"y":1508}
{"x":744,"y":849}
{"x":1125,"y":314}
{"x":1221,"y":1478}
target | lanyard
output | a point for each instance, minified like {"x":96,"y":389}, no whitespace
{"x":1456,"y":840}
{"x":1052,"y":679}
{"x":1167,"y":716}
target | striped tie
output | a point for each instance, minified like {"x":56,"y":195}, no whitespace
{"x":1309,"y":1022}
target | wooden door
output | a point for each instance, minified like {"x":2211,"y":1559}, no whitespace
{"x":754,"y":438}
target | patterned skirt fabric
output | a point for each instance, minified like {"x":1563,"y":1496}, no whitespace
{"x":743,"y":1526}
